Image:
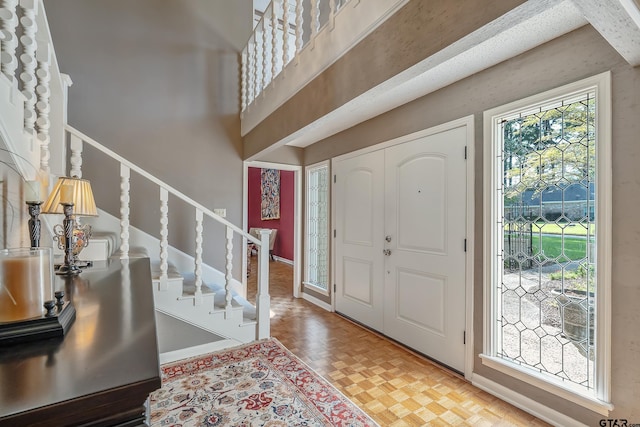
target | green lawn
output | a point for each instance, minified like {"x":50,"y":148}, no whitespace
{"x":573,"y":230}
{"x":575,"y":248}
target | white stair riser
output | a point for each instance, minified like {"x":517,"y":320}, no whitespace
{"x":202,"y":316}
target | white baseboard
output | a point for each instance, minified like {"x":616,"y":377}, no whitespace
{"x":316,"y":301}
{"x":286,"y":261}
{"x":197,"y":350}
{"x":526,"y":404}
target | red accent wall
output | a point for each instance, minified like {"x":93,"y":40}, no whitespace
{"x":283,"y":246}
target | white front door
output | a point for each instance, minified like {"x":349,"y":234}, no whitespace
{"x":425,"y":228}
{"x":359,"y":224}
{"x":400,"y":222}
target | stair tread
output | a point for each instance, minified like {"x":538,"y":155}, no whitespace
{"x":219,"y":302}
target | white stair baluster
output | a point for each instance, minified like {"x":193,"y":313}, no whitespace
{"x":228,"y":277}
{"x":263,"y":300}
{"x":28,"y":61}
{"x":285,"y":33}
{"x":274,"y":39}
{"x":9,"y":17}
{"x":265,"y":55}
{"x":299,"y":31}
{"x":253,"y":68}
{"x":315,"y":18}
{"x":243,"y":78}
{"x":258,"y":62}
{"x":43,"y":90}
{"x":125,"y":174}
{"x":333,"y":9}
{"x":198,"y":259}
{"x":76,"y":156}
{"x":164,"y":239}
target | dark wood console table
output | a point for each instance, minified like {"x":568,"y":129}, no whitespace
{"x":101,"y":373}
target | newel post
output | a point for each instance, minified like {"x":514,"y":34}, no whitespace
{"x":263,"y":299}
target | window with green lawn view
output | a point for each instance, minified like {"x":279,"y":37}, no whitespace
{"x":544,"y":307}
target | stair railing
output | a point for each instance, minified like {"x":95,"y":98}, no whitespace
{"x":28,"y":62}
{"x":263,"y":301}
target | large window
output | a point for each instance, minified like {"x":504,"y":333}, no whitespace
{"x":547,"y":286}
{"x":317,"y":231}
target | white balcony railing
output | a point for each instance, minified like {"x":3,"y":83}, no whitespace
{"x":308,"y":35}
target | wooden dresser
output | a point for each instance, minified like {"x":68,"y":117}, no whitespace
{"x":101,"y":373}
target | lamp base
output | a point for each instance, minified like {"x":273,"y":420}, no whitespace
{"x":73,"y":269}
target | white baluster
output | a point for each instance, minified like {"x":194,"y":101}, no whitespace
{"x":254,"y":68}
{"x":244,"y":82}
{"x":228,"y":277}
{"x":274,"y":38}
{"x":198,"y":259}
{"x":125,"y":174}
{"x":28,"y":61}
{"x":258,"y":62}
{"x":43,"y":72}
{"x":265,"y":55}
{"x":299,"y":31}
{"x":164,"y":239}
{"x":315,"y":18}
{"x":285,"y":33}
{"x":9,"y":17}
{"x":333,"y":9}
{"x":263,"y":300}
{"x":76,"y":156}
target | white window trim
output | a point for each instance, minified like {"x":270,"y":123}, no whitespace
{"x":599,"y":401}
{"x":306,"y":282}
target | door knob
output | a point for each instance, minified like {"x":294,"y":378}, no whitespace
{"x":387,"y":252}
{"x":388,"y":238}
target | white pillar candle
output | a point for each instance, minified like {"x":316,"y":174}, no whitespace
{"x":25,"y":283}
{"x":32,"y":191}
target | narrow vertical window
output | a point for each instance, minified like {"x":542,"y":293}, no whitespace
{"x":317,"y":232}
{"x":548,"y":264}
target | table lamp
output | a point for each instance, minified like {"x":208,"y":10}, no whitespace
{"x":71,"y":197}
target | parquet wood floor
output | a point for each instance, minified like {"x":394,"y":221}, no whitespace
{"x":394,"y":386}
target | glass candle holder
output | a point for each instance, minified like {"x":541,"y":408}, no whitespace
{"x":26,"y":282}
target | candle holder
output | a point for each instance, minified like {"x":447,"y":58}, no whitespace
{"x":34,"y":223}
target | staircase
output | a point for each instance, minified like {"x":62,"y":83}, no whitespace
{"x":34,"y":131}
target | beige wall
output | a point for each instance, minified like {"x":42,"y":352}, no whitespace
{"x":577,"y":55}
{"x":157,"y":82}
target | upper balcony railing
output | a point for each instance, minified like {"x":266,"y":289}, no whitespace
{"x":312,"y":33}
{"x":285,"y":27}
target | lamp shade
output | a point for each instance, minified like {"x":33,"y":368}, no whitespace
{"x":71,"y":190}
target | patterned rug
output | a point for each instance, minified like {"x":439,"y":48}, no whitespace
{"x":258,"y":384}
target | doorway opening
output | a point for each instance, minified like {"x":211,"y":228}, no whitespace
{"x":278,"y":209}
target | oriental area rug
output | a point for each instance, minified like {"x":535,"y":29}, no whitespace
{"x":257,"y":384}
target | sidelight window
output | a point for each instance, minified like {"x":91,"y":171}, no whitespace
{"x":317,"y":228}
{"x":547,"y":284}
